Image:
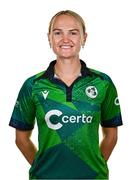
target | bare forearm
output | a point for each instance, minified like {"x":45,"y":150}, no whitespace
{"x":107,"y":145}
{"x":28,"y":149}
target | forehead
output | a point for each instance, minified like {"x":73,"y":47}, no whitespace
{"x":66,"y":22}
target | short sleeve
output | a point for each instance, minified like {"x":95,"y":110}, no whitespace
{"x":23,"y":116}
{"x":110,"y":108}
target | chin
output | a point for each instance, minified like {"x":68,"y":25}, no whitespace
{"x":67,"y":55}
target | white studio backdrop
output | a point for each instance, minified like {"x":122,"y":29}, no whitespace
{"x":24,"y":51}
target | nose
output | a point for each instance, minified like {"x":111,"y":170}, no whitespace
{"x":65,"y":38}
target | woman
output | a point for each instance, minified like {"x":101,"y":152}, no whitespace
{"x":69,"y":101}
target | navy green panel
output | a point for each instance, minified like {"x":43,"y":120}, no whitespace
{"x":92,"y":155}
{"x":66,"y":162}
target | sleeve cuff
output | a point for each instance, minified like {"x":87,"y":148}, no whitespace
{"x":20,"y":125}
{"x":114,"y":122}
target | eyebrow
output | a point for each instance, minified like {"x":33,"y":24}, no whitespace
{"x":57,"y":29}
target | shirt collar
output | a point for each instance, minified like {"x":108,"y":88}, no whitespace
{"x":49,"y":73}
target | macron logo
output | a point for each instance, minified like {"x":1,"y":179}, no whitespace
{"x":45,"y":94}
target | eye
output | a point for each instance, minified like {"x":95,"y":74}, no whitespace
{"x":73,"y":33}
{"x":57,"y":33}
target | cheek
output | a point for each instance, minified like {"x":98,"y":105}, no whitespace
{"x":54,"y":45}
{"x":78,"y":43}
{"x":54,"y":41}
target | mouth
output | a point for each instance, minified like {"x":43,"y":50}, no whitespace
{"x":65,"y":46}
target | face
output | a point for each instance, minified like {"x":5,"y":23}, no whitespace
{"x":66,"y":37}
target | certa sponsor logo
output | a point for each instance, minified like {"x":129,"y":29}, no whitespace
{"x":65,"y":119}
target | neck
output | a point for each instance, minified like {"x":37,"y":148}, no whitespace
{"x":67,"y":67}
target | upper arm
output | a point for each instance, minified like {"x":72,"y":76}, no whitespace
{"x":111,"y":133}
{"x":22,"y":135}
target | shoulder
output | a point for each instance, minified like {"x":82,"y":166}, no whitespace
{"x":101,"y":75}
{"x":30,"y":82}
{"x":34,"y":78}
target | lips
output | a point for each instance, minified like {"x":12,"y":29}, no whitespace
{"x":65,"y":46}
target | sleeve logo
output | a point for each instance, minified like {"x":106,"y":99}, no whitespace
{"x":116,"y":101}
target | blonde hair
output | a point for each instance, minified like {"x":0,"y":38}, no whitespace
{"x":70,"y":13}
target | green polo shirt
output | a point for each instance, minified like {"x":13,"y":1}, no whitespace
{"x":68,"y":119}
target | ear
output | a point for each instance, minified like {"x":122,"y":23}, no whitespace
{"x":84,"y":39}
{"x":48,"y":35}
